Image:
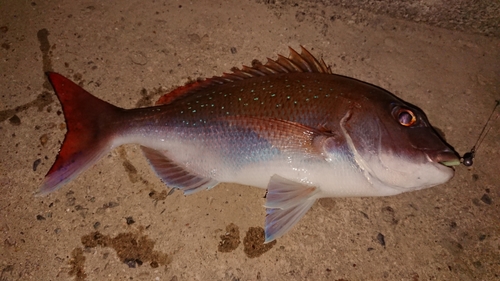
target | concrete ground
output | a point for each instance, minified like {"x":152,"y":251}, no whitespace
{"x":116,"y":222}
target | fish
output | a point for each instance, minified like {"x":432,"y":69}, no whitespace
{"x":289,"y":126}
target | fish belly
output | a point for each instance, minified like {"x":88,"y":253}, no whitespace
{"x":249,"y":160}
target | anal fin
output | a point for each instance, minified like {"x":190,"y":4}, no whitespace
{"x":174,"y":175}
{"x":287,"y":202}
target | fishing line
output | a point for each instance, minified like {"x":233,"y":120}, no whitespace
{"x":468,"y":158}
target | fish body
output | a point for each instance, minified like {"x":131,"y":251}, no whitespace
{"x":290,"y":126}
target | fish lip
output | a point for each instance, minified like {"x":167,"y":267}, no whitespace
{"x":447,"y":158}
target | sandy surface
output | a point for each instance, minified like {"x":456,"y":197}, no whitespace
{"x":115,"y":221}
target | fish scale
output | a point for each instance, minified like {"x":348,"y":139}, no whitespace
{"x":295,"y":97}
{"x":290,"y":126}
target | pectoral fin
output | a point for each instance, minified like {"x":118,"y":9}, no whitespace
{"x":287,"y":202}
{"x":174,"y":175}
{"x":285,"y":135}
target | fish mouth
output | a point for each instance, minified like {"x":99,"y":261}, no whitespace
{"x":446,"y":158}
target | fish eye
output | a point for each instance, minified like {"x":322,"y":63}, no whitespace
{"x":406,"y":117}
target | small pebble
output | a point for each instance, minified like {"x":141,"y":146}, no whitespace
{"x":453,"y":224}
{"x":130,"y":262}
{"x":486,"y":199}
{"x":36,"y":163}
{"x":381,"y":239}
{"x":44,"y":139}
{"x":15,"y":120}
{"x":130,"y":220}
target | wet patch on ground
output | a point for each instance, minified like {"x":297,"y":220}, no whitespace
{"x":133,"y":249}
{"x":41,"y":101}
{"x":145,"y":100}
{"x":77,"y":265}
{"x":131,"y":170}
{"x":158,"y":196}
{"x":148,"y":97}
{"x":231,"y":239}
{"x":43,"y":39}
{"x":7,"y":270}
{"x":254,"y":242}
{"x":327,"y":203}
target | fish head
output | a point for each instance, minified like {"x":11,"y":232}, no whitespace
{"x":397,"y":149}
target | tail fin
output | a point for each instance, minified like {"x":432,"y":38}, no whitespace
{"x":89,"y":132}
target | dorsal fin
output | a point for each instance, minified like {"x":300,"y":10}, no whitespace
{"x":303,"y":62}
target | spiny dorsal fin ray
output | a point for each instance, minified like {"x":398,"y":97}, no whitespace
{"x":303,"y":62}
{"x":319,"y":66}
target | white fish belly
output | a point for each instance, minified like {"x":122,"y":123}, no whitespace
{"x":339,"y":178}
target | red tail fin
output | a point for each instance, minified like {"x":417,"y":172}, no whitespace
{"x":89,"y":132}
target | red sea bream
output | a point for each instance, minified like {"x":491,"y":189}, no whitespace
{"x":289,"y":126}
